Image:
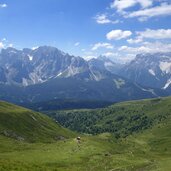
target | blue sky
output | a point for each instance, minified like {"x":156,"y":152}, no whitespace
{"x":118,"y":29}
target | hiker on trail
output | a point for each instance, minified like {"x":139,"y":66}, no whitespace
{"x":78,"y":139}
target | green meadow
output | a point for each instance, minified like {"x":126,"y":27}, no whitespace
{"x":32,"y":141}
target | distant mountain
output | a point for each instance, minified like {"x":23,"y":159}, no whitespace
{"x":47,"y":73}
{"x":113,"y":90}
{"x":151,"y":70}
{"x":2,"y":75}
{"x":27,"y":67}
{"x":104,"y":63}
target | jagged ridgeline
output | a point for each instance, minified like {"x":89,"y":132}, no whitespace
{"x":47,"y":73}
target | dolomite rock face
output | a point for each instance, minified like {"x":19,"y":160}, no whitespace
{"x":151,"y":70}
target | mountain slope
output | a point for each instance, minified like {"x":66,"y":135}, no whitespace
{"x":28,"y":67}
{"x":151,"y":70}
{"x":103,"y":63}
{"x":25,"y":125}
{"x":47,"y":73}
{"x":111,"y":89}
{"x":65,"y":104}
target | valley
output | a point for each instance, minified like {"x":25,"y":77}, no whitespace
{"x":54,"y":148}
{"x":120,"y":119}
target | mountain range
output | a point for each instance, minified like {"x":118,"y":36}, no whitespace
{"x":46,"y":73}
{"x":151,"y":70}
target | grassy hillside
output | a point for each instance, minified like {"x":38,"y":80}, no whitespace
{"x":23,"y":124}
{"x":120,"y":119}
{"x":147,"y":149}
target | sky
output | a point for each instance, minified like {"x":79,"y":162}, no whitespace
{"x":118,"y":29}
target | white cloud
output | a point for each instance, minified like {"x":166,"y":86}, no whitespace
{"x":120,"y":5}
{"x":1,"y":45}
{"x":4,"y":43}
{"x":110,"y":54}
{"x":155,"y":34}
{"x":134,"y":41}
{"x":145,"y":12}
{"x":119,"y":57}
{"x":145,"y":3}
{"x":125,"y":58}
{"x":118,"y":34}
{"x":34,"y":48}
{"x":77,"y":44}
{"x":102,"y":45}
{"x":10,"y":45}
{"x":147,"y":47}
{"x":87,"y":58}
{"x":3,"y":5}
{"x":103,"y":19}
{"x":141,"y":49}
{"x":4,"y":39}
{"x":162,"y":10}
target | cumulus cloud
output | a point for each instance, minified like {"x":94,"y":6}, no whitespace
{"x":121,"y":5}
{"x":77,"y":44}
{"x":126,"y":58}
{"x":135,"y":50}
{"x":119,"y":57}
{"x":3,"y":5}
{"x":10,"y":45}
{"x":134,"y":41}
{"x":87,"y":58}
{"x":4,"y":39}
{"x":147,"y":8}
{"x":102,"y":45}
{"x":147,"y":47}
{"x":35,"y":47}
{"x":155,"y":34}
{"x":110,"y":54}
{"x":118,"y":34}
{"x":1,"y":45}
{"x":150,"y":34}
{"x":144,"y":14}
{"x":103,"y":19}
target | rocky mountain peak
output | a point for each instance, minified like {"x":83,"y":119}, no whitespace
{"x":26,"y":67}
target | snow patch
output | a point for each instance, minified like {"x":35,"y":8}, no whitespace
{"x":167,"y":84}
{"x":30,"y":57}
{"x":25,"y":82}
{"x":151,"y":72}
{"x":165,"y":67}
{"x":59,"y":74}
{"x":119,"y":83}
{"x":147,"y":90}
